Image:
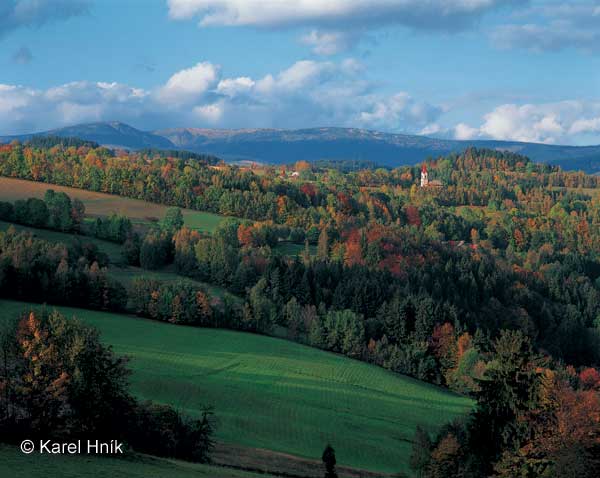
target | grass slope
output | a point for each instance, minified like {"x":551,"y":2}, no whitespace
{"x":126,"y":275}
{"x":275,"y":394}
{"x":100,"y":204}
{"x":15,"y":464}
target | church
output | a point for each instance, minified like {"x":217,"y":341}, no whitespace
{"x":425,"y":182}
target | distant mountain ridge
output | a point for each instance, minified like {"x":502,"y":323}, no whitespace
{"x":277,"y":146}
{"x":114,"y":133}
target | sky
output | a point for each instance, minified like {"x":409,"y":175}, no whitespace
{"x":464,"y":69}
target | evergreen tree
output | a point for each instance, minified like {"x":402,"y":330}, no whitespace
{"x":329,"y":462}
{"x":509,"y":392}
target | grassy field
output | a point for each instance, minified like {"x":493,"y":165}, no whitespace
{"x":100,"y":204}
{"x":126,"y":275}
{"x":15,"y":464}
{"x":274,"y":394}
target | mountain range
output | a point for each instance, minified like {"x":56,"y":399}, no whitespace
{"x":279,"y":146}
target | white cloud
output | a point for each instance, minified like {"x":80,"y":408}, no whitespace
{"x":13,"y":98}
{"x":235,"y":86}
{"x":189,"y":84}
{"x":300,"y":75}
{"x":307,"y":93}
{"x":589,"y":125}
{"x":535,"y":123}
{"x":211,"y":112}
{"x":24,"y":109}
{"x":464,"y":132}
{"x":436,"y":14}
{"x":337,"y":24}
{"x":398,"y":110}
{"x":550,"y":123}
{"x":431,"y":129}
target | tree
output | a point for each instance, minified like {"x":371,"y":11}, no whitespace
{"x":329,"y":462}
{"x":173,"y":220}
{"x":65,"y":380}
{"x":508,"y":392}
{"x":155,"y":250}
{"x":263,"y":309}
{"x":131,"y":250}
{"x":185,"y":241}
{"x":421,"y":452}
{"x":60,"y":210}
{"x":445,"y":458}
{"x":292,"y":315}
{"x":323,"y":245}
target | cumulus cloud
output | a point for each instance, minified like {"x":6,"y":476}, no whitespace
{"x":25,"y":109}
{"x":550,"y":123}
{"x":553,"y":27}
{"x":15,"y":14}
{"x":336,"y":24}
{"x":464,"y":131}
{"x":189,"y":84}
{"x":434,"y":14}
{"x":399,"y":109}
{"x":210,"y":113}
{"x":235,"y":86}
{"x":306,"y":93}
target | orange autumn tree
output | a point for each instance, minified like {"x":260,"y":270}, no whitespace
{"x":589,"y":378}
{"x":244,"y":235}
{"x":44,"y":379}
{"x":443,"y":345}
{"x":57,"y":379}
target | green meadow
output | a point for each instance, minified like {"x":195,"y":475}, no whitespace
{"x":126,"y":275}
{"x":274,"y":394}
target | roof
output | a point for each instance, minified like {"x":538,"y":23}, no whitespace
{"x":424,"y":168}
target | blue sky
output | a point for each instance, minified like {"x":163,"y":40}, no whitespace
{"x":465,"y":69}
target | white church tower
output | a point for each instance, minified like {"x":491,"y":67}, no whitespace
{"x":424,"y":176}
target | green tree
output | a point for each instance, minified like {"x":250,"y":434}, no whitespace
{"x":508,"y":392}
{"x":173,"y":220}
{"x":421,"y":452}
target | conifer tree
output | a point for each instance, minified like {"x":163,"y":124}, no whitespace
{"x":329,"y":461}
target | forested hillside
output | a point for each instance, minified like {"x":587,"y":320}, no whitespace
{"x":487,"y":283}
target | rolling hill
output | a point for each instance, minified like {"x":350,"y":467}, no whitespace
{"x":273,"y":394}
{"x":278,"y":146}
